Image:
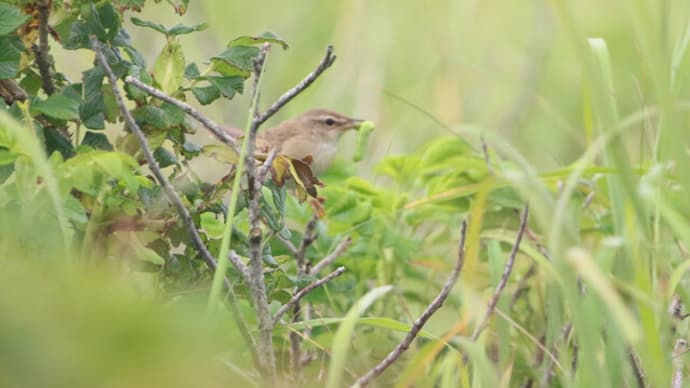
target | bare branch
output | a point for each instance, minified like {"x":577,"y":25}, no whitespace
{"x":419,"y":323}
{"x":326,"y":261}
{"x":304,"y":291}
{"x":288,"y":244}
{"x":504,"y":278}
{"x":262,"y":173}
{"x":308,"y":238}
{"x":42,"y":57}
{"x":188,"y":109}
{"x":11,"y":91}
{"x":679,"y":349}
{"x":240,"y":266}
{"x":257,"y":283}
{"x":325,"y":63}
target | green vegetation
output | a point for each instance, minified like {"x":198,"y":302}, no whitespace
{"x":483,"y":111}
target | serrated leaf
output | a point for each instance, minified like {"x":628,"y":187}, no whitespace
{"x":181,"y":29}
{"x":11,"y":18}
{"x":164,"y":157}
{"x":145,"y":23}
{"x":150,"y":115}
{"x":168,"y":71}
{"x":97,"y":141}
{"x":236,"y":60}
{"x":206,"y":94}
{"x":56,"y":106}
{"x":228,"y":86}
{"x":54,"y":141}
{"x":191,"y":71}
{"x":91,"y":112}
{"x":173,"y":115}
{"x":266,"y":37}
{"x":10,"y":56}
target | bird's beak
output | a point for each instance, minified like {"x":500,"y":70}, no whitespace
{"x":354,"y":123}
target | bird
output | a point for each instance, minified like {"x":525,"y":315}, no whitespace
{"x":311,"y":137}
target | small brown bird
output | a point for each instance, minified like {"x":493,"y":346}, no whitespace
{"x":311,"y":137}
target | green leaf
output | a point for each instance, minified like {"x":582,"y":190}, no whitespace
{"x":74,"y":210}
{"x":6,"y":171}
{"x":236,"y":60}
{"x":266,"y":37}
{"x":173,"y":115}
{"x":144,"y":23}
{"x":31,"y":82}
{"x":150,"y":115}
{"x":56,"y":106}
{"x":102,"y":21}
{"x":191,"y":71}
{"x":179,"y":29}
{"x":228,"y":85}
{"x":54,"y":141}
{"x":110,"y":108}
{"x":11,"y":18}
{"x":97,"y":140}
{"x":206,"y":94}
{"x":182,"y":29}
{"x":142,"y":75}
{"x":164,"y":157}
{"x":343,"y":336}
{"x":212,"y":225}
{"x":168,"y":70}
{"x":9,"y":57}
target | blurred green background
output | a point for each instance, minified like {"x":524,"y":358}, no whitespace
{"x":507,"y":66}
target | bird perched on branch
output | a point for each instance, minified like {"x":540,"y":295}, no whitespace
{"x":311,"y":137}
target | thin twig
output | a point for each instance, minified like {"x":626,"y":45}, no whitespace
{"x":288,"y":244}
{"x":419,"y":323}
{"x":326,"y":261}
{"x":325,"y":63}
{"x":188,"y":109}
{"x":304,"y":291}
{"x":12,"y":91}
{"x":504,"y":278}
{"x":679,"y":349}
{"x":240,"y":266}
{"x":263,"y":171}
{"x":256,"y":269}
{"x":308,"y":238}
{"x":522,"y":283}
{"x":42,"y":57}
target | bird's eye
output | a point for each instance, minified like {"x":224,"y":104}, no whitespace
{"x":329,"y":121}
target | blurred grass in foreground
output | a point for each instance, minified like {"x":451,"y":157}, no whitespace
{"x":68,"y":326}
